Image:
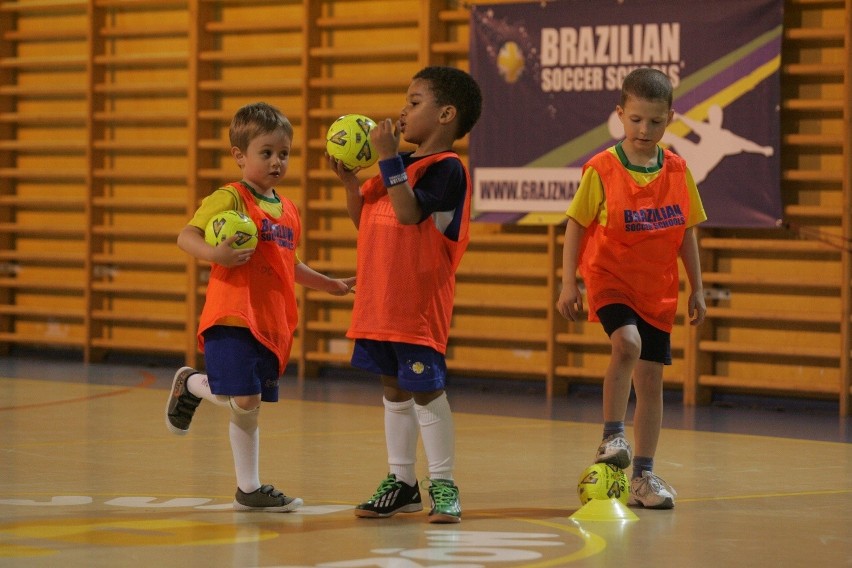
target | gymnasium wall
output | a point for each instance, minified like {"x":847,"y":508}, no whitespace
{"x":113,"y":125}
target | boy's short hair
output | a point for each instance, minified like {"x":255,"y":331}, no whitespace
{"x":255,"y":119}
{"x":455,"y":87}
{"x":647,"y":84}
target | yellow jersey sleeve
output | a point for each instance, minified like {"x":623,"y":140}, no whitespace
{"x":588,"y":203}
{"x":223,"y":199}
{"x":696,"y":207}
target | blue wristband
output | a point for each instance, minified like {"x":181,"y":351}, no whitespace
{"x":393,"y":171}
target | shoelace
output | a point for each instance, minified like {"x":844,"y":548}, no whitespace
{"x":657,"y":484}
{"x":442,"y":494}
{"x":385,"y":486}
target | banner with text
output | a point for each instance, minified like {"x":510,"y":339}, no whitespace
{"x":551,"y":75}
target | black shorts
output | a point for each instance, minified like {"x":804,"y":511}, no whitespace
{"x":656,"y":343}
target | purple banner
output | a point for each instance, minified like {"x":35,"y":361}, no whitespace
{"x":551,"y":74}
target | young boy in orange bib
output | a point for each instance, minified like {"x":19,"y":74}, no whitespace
{"x":412,"y":225}
{"x":250,"y":312}
{"x":631,"y":218}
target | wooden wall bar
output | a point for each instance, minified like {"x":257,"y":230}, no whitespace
{"x":113,"y":125}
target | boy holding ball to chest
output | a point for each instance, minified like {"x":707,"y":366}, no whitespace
{"x":250,"y":312}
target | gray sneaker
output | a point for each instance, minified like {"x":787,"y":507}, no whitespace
{"x":651,"y":492}
{"x":181,"y":404}
{"x":614,"y":450}
{"x":267,"y":498}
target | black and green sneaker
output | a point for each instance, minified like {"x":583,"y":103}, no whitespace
{"x":445,"y":501}
{"x":393,"y":496}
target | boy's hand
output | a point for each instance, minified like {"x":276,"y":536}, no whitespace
{"x":341,"y":170}
{"x":347,"y":176}
{"x":570,"y":302}
{"x":229,"y":257}
{"x":342,"y":286}
{"x":697,"y":307}
{"x":385,"y":138}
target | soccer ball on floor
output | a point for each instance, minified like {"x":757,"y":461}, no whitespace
{"x":603,"y":481}
{"x":348,"y":140}
{"x":228,"y":223}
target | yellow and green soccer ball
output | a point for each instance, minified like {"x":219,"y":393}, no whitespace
{"x":348,"y":140}
{"x":228,"y":223}
{"x":603,"y":481}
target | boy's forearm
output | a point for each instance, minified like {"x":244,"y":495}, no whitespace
{"x":573,"y":234}
{"x":405,"y":204}
{"x":310,"y":278}
{"x":191,"y":241}
{"x":690,"y":257}
{"x":354,"y":203}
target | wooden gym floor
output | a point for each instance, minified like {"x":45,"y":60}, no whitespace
{"x":90,"y":477}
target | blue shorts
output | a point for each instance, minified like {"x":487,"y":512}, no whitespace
{"x":237,"y":364}
{"x":656,"y":343}
{"x":417,"y":368}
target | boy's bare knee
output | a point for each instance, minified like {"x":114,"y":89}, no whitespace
{"x":626,"y":346}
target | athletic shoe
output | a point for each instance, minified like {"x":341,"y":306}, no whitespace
{"x":614,"y":450}
{"x":393,"y":496}
{"x":445,"y":501}
{"x":651,"y":492}
{"x":267,"y":498}
{"x":182,"y":403}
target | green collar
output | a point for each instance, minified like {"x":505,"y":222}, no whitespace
{"x":273,"y":199}
{"x":641,"y":169}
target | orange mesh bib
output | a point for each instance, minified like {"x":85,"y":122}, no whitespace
{"x":406,"y":273}
{"x":633,"y":259}
{"x":262,"y":292}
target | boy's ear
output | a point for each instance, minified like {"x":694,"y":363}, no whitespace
{"x":238,"y":156}
{"x":448,"y":114}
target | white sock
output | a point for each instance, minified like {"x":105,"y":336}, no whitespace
{"x":245,"y":445}
{"x":198,"y":385}
{"x":401,"y":432}
{"x":438,"y":433}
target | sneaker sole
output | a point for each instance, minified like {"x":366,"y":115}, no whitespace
{"x":367,"y":514}
{"x":444,"y":518}
{"x":289,"y":507}
{"x":172,"y":428}
{"x":665,"y":504}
